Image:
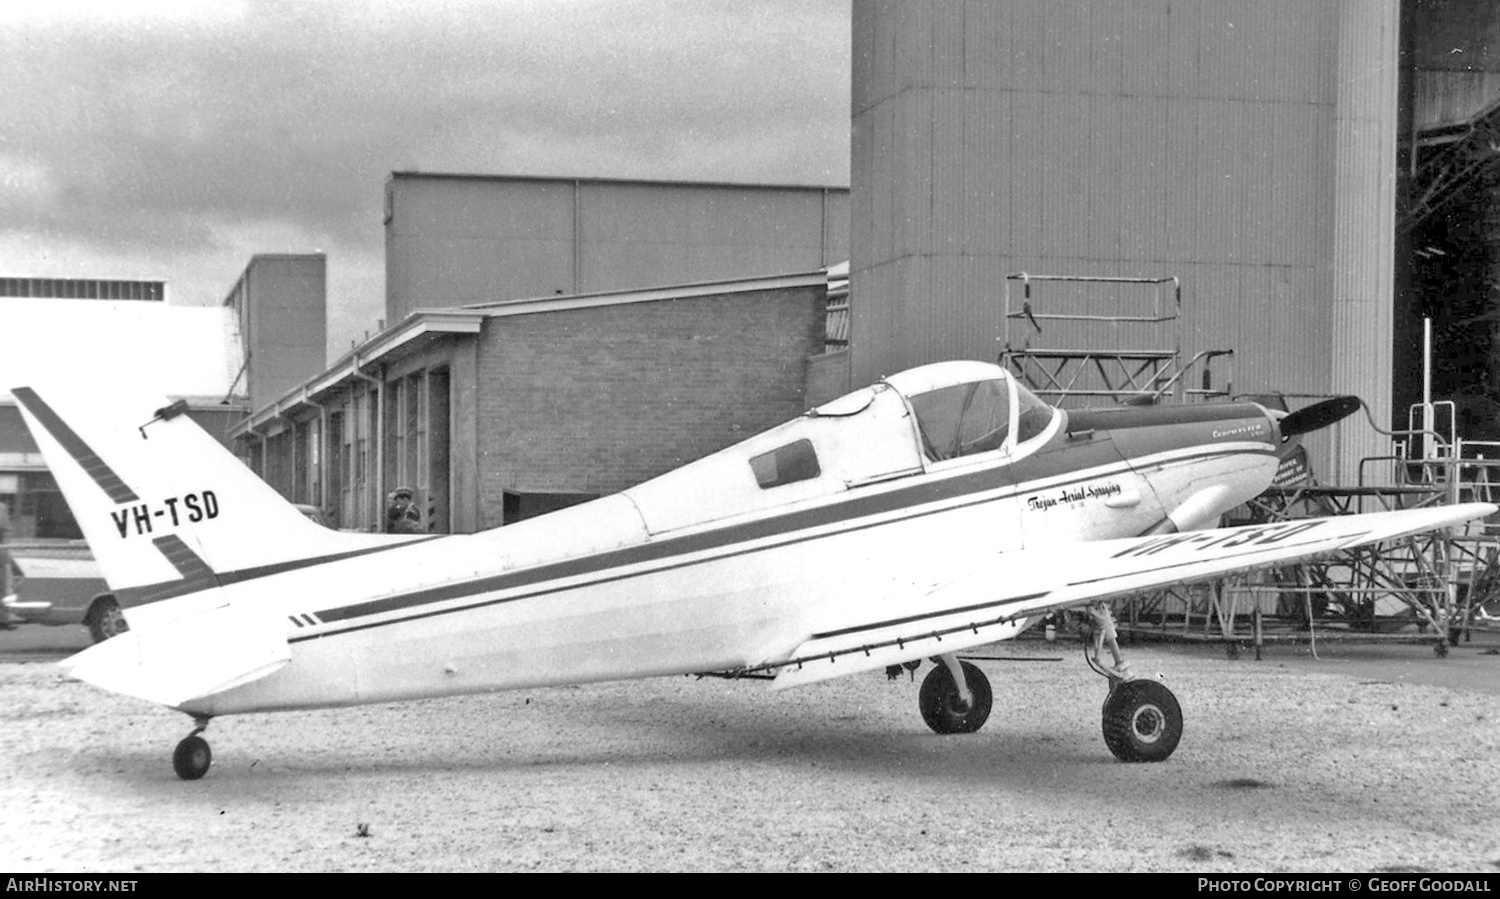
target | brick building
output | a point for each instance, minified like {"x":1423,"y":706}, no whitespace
{"x":491,"y":407}
{"x":495,"y":412}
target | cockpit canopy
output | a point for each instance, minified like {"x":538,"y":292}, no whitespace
{"x":900,"y":427}
{"x":964,"y":408}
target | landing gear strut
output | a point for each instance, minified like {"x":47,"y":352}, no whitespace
{"x":955,"y":697}
{"x":192,"y":757}
{"x":1142,"y":720}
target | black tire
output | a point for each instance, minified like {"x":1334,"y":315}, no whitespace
{"x":192,"y":758}
{"x":1142,"y":721}
{"x":105,"y":619}
{"x":938,"y":700}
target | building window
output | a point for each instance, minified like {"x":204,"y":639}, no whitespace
{"x":361,"y":443}
{"x":82,"y":289}
{"x":406,"y":428}
{"x":338,"y":473}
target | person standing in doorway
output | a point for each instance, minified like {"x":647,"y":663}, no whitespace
{"x":401,"y":513}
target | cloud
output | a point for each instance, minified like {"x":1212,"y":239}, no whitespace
{"x":169,"y":131}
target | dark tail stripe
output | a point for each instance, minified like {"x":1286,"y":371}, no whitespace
{"x":196,"y":575}
{"x":89,"y":460}
{"x":182,"y":557}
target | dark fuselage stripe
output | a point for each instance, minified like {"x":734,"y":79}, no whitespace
{"x":792,"y":527}
{"x":136,"y":596}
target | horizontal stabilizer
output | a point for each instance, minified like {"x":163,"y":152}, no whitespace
{"x":177,"y":662}
{"x":997,"y":597}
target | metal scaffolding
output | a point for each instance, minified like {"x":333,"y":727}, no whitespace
{"x":1433,"y":588}
{"x":1139,"y":374}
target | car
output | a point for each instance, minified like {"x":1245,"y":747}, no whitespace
{"x":57,"y":582}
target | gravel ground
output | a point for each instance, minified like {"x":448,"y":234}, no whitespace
{"x":1281,"y":769}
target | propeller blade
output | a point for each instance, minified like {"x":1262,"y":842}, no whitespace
{"x":1318,"y":415}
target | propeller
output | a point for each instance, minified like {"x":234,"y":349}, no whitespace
{"x":1318,"y":415}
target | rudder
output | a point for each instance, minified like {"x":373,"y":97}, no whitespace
{"x":166,"y":509}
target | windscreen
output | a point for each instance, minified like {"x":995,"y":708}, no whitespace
{"x":963,"y":419}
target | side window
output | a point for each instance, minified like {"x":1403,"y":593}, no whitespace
{"x":786,"y":465}
{"x":963,"y":419}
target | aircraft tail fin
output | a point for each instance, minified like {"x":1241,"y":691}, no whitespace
{"x":167,"y":509}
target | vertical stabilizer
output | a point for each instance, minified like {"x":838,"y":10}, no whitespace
{"x":166,"y":509}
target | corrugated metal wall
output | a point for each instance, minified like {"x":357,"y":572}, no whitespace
{"x":1364,"y":219}
{"x":452,"y":240}
{"x":1197,"y":138}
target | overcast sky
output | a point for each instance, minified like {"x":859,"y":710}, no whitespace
{"x":173,"y":140}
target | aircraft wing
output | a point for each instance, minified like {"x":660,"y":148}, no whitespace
{"x":991,"y":601}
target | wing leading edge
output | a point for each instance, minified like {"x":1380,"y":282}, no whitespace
{"x":994,"y":599}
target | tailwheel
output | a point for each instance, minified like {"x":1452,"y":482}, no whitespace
{"x":1142,"y":721}
{"x":942,"y":703}
{"x":192,"y":757}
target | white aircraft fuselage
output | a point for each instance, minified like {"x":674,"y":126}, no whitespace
{"x":703,"y":570}
{"x":941,"y":509}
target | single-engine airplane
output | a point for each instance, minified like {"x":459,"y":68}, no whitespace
{"x":940,"y":509}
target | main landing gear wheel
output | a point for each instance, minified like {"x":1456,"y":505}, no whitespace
{"x":192,"y":757}
{"x":1142,"y":721}
{"x":944,"y":710}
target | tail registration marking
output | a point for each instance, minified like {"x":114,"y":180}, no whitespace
{"x":190,"y":508}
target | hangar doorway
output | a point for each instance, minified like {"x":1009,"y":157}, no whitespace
{"x":418,"y":438}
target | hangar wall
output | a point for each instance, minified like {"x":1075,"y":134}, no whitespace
{"x":1239,"y":147}
{"x":457,"y":239}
